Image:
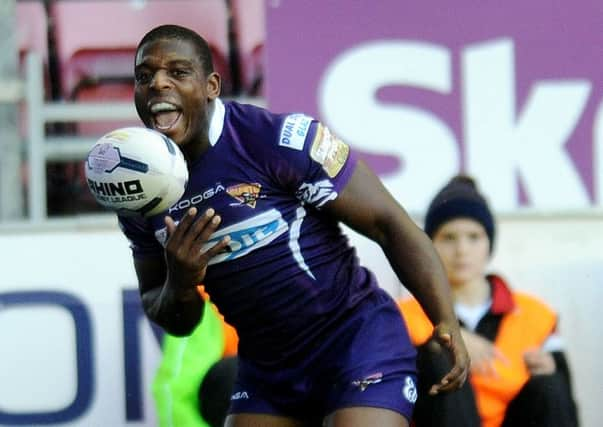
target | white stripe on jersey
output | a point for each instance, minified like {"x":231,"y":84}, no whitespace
{"x":300,"y":213}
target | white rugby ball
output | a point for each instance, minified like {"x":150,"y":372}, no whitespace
{"x":136,"y":171}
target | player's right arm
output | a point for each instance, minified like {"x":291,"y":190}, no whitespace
{"x":176,"y":310}
{"x":168,"y":284}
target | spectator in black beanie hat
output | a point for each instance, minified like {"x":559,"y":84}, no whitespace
{"x":519,"y":374}
{"x":459,"y":199}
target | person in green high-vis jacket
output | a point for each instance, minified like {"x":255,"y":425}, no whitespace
{"x":195,"y":376}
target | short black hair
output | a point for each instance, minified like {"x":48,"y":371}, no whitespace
{"x":177,"y":32}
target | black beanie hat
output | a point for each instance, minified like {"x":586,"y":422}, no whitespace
{"x":459,"y":199}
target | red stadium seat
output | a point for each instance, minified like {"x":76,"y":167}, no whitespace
{"x":250,"y":25}
{"x":98,"y":38}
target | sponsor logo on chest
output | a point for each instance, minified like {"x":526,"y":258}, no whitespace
{"x":245,"y":236}
{"x":197,"y":198}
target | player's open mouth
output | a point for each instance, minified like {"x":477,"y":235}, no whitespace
{"x":165,"y":115}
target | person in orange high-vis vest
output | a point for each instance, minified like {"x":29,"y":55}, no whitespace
{"x":519,"y":374}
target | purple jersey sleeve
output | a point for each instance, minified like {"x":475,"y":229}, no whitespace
{"x":311,"y":160}
{"x":141,"y":235}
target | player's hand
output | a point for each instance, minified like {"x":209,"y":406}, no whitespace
{"x":539,"y":362}
{"x":186,"y":261}
{"x":449,"y":337}
{"x":483,"y":354}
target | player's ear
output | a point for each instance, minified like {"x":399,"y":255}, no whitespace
{"x":214,"y":86}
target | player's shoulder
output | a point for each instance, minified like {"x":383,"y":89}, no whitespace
{"x":288,"y":130}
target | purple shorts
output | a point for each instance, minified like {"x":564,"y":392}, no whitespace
{"x":366,"y":360}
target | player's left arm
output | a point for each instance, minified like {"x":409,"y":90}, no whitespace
{"x":366,"y":206}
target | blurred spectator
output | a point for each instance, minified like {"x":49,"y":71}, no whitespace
{"x":196,"y":374}
{"x":519,"y":374}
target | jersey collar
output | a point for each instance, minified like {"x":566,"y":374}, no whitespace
{"x":216,"y":123}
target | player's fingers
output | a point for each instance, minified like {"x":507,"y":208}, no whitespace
{"x":204,"y":226}
{"x":210,"y":249}
{"x":204,"y":231}
{"x":440,"y":387}
{"x":170,"y":225}
{"x":453,"y":380}
{"x":183,"y":226}
{"x":218,"y":248}
{"x":435,"y":389}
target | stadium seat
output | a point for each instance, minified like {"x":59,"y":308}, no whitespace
{"x":96,"y":39}
{"x":249,"y":18}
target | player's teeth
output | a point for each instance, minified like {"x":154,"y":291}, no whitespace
{"x":162,"y":106}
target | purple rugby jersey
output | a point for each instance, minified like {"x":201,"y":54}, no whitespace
{"x":289,"y":275}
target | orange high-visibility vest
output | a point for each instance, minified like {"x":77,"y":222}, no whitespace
{"x":525,"y":327}
{"x":231,"y":338}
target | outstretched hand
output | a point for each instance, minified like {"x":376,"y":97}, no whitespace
{"x":449,"y":337}
{"x":186,"y":260}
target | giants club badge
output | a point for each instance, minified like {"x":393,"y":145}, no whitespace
{"x":246,"y":194}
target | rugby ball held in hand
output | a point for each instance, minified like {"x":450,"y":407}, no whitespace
{"x":136,"y":171}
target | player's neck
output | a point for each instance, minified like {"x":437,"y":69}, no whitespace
{"x":196,"y":148}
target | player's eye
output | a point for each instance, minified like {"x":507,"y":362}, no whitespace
{"x":179,"y":72}
{"x":142,"y":77}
